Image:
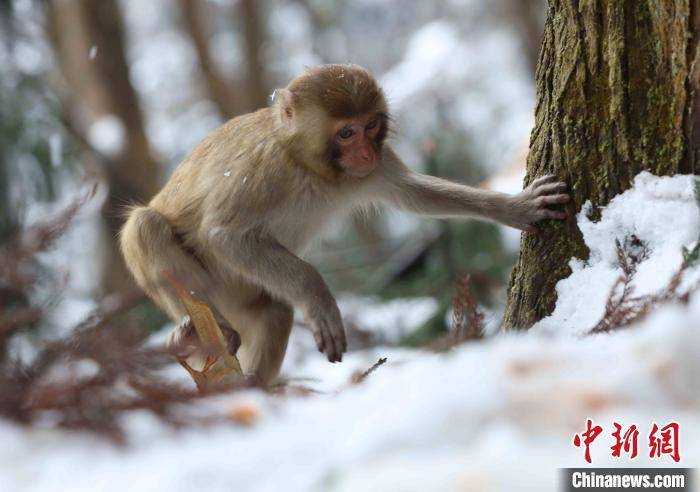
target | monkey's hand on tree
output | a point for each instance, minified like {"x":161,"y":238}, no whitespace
{"x":531,"y":204}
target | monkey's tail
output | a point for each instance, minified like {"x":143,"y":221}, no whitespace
{"x":150,"y":249}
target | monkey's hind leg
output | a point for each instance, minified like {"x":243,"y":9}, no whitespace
{"x":150,"y":250}
{"x":265,"y":338}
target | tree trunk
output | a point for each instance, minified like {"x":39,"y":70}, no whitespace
{"x":616,"y":94}
{"x":527,"y":17}
{"x":254,"y":36}
{"x":220,"y":89}
{"x":98,"y":86}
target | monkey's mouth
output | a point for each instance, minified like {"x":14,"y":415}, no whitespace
{"x":358,"y":172}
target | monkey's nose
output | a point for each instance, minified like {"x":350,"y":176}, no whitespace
{"x":366,"y":154}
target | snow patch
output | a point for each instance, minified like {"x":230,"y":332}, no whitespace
{"x":662,"y":212}
{"x":107,"y":135}
{"x":395,"y":319}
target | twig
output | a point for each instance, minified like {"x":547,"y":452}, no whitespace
{"x":624,"y":309}
{"x":361,"y":377}
{"x":467,"y":319}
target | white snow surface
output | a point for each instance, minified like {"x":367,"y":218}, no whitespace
{"x":395,"y":319}
{"x":108,"y":135}
{"x":498,"y":416}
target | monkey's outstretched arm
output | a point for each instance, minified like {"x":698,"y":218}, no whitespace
{"x":262,"y":260}
{"x":428,"y":195}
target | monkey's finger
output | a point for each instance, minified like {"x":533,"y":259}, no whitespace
{"x":555,"y":199}
{"x":328,"y":347}
{"x":332,"y":356}
{"x":339,"y":338}
{"x":549,"y":188}
{"x":182,"y":341}
{"x":523,"y":226}
{"x":335,"y":354}
{"x":332,"y":353}
{"x":182,"y":351}
{"x":543,"y":179}
{"x":340,"y":344}
{"x":338,"y":349}
{"x":319,"y":340}
{"x":552,"y":214}
{"x":344,"y":341}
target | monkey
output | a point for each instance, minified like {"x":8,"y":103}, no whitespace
{"x":236,"y":216}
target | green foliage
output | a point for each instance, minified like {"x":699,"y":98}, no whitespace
{"x":29,"y":120}
{"x":473,"y":247}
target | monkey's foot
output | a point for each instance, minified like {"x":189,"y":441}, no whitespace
{"x":183,"y":341}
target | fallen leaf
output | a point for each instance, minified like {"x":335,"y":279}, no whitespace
{"x":220,"y":367}
{"x":245,"y":413}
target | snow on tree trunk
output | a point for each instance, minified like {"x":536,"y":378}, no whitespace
{"x":616,"y":94}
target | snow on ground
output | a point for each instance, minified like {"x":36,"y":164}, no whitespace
{"x":496,"y":415}
{"x":663,"y":213}
{"x":394,"y":319}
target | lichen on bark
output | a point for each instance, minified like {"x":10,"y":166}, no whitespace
{"x":616,"y":94}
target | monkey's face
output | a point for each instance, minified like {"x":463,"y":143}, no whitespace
{"x":347,"y":105}
{"x":356,"y":143}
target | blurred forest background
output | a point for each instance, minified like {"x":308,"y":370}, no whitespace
{"x":116,"y":92}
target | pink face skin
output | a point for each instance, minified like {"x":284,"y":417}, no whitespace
{"x":356,"y":141}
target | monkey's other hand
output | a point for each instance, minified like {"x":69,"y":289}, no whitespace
{"x":530,"y":205}
{"x":182,"y":341}
{"x":327,"y":327}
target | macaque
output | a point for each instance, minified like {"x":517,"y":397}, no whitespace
{"x":236,"y":215}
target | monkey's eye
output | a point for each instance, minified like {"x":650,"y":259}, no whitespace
{"x":372,"y":124}
{"x":346,"y":133}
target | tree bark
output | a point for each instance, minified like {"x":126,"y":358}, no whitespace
{"x":254,"y":35}
{"x":220,"y":89}
{"x":527,"y":17}
{"x":99,"y":85}
{"x":617,"y":94}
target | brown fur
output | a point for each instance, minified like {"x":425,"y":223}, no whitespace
{"x":342,"y":91}
{"x":236,"y":216}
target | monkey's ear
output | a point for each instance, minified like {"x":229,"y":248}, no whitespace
{"x":283,"y":101}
